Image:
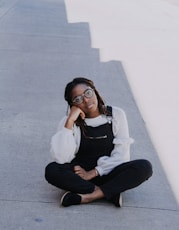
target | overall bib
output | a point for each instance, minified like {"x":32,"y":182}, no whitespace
{"x":95,"y":143}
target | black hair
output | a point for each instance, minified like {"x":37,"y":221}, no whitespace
{"x":68,"y":96}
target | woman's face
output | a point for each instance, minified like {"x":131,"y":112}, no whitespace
{"x":89,"y":102}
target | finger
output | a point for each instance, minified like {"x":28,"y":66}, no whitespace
{"x":82,"y":115}
{"x":77,"y":167}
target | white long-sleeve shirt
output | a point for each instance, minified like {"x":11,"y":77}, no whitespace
{"x":65,"y":143}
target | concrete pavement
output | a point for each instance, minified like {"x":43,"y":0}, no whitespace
{"x":39,"y":53}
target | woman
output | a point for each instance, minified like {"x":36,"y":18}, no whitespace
{"x":91,"y":150}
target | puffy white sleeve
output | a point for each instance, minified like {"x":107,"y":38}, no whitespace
{"x":65,"y":143}
{"x":121,"y":141}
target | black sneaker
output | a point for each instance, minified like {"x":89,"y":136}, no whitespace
{"x":70,"y":198}
{"x":117,"y":200}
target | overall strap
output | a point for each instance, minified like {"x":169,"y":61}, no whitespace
{"x":109,"y":111}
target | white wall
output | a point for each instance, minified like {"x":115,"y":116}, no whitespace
{"x":144,"y":35}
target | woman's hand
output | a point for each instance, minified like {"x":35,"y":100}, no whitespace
{"x":75,"y":112}
{"x":86,"y":175}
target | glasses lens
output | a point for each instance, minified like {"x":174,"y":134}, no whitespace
{"x":88,"y":93}
{"x":78,"y":100}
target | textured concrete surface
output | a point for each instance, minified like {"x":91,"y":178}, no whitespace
{"x":39,"y":53}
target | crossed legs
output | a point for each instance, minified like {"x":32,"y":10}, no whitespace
{"x":121,"y":178}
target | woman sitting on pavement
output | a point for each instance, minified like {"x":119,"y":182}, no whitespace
{"x":91,"y":150}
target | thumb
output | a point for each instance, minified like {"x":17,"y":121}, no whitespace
{"x":82,"y":115}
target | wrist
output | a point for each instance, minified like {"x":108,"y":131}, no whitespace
{"x":96,"y":172}
{"x":69,"y":123}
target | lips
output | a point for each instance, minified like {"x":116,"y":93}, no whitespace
{"x":89,"y":106}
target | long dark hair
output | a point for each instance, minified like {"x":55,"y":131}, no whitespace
{"x":68,"y":96}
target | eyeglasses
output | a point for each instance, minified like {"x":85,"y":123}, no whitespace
{"x":79,"y":99}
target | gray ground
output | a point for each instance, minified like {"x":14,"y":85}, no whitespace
{"x":39,"y":53}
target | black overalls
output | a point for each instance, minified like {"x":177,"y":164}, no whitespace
{"x":95,"y":143}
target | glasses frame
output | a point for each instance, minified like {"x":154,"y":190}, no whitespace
{"x":81,"y":97}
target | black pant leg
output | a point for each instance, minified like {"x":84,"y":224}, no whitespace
{"x":124,"y":177}
{"x":63,"y":177}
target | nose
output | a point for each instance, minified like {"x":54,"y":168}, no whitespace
{"x":85,"y":99}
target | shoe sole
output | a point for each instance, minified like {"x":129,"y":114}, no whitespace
{"x":120,"y":200}
{"x":62,"y":198}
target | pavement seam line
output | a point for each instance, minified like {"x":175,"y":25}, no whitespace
{"x":126,"y":206}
